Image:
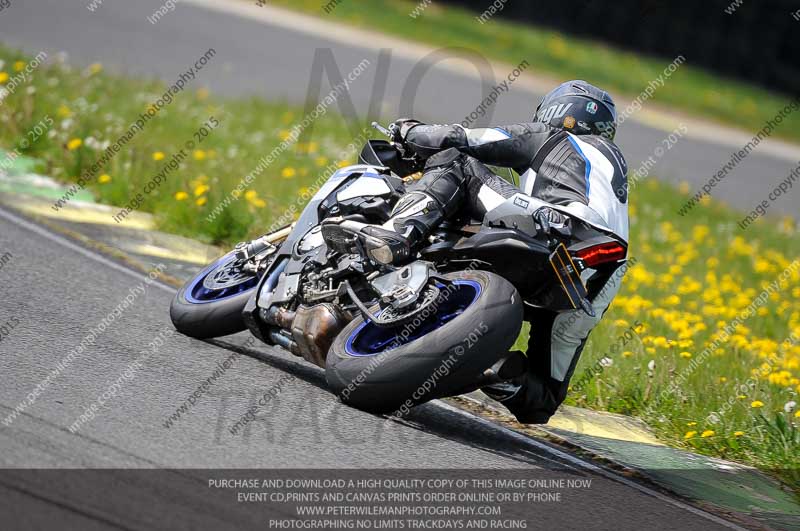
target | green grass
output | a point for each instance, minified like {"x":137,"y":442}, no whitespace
{"x":696,"y":91}
{"x":692,"y":274}
{"x":92,"y":107}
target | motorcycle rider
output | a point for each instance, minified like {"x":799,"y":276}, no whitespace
{"x":566,"y":158}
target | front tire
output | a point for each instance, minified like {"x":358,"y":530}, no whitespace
{"x":203,"y":313}
{"x":381,"y":370}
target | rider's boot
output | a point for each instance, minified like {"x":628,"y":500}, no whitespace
{"x":412,"y":219}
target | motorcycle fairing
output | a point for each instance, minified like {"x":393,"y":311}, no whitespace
{"x":350,"y":183}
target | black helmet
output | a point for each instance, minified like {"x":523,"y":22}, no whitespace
{"x":580,"y":108}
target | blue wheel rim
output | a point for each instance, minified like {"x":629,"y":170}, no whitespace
{"x":370,"y":340}
{"x":197,"y":293}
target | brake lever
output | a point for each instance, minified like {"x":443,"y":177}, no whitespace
{"x":382,"y":129}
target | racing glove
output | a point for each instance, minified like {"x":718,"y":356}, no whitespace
{"x":400,"y":129}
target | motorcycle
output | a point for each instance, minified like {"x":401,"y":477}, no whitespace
{"x":440,"y":325}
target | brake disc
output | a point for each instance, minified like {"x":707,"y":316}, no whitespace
{"x":391,"y":316}
{"x":226,"y":275}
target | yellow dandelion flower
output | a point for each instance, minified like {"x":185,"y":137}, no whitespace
{"x":201,"y":189}
{"x":738,"y":433}
{"x":181,"y":196}
{"x":722,"y":379}
{"x":321,"y":161}
{"x":661,"y":341}
{"x":103,"y":179}
{"x":756,"y":404}
{"x":343,"y":163}
{"x":201,"y":201}
{"x":74,"y":144}
{"x":64,"y":111}
{"x":95,"y":68}
{"x":252,"y":197}
{"x":700,"y":232}
{"x":707,"y":433}
{"x":19,"y":66}
{"x":627,"y":354}
{"x":158,"y":155}
{"x":199,"y":154}
{"x":690,"y":434}
{"x":686,"y":355}
{"x":690,"y":424}
{"x":288,"y":173}
{"x":741,"y":397}
{"x":762,"y":266}
{"x":3,"y":77}
{"x":797,"y":414}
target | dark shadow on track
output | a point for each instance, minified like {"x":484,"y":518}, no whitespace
{"x":428,"y":418}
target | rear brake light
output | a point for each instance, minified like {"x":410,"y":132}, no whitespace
{"x":601,"y":254}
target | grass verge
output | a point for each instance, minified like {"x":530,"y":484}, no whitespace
{"x":669,"y":350}
{"x":692,"y":275}
{"x":696,"y":91}
{"x":67,"y":118}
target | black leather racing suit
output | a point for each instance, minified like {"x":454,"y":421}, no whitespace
{"x":582,"y":177}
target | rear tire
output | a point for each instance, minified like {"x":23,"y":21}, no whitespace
{"x":445,"y":360}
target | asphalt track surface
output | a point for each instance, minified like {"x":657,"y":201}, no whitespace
{"x":272,"y":60}
{"x":55,"y":292}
